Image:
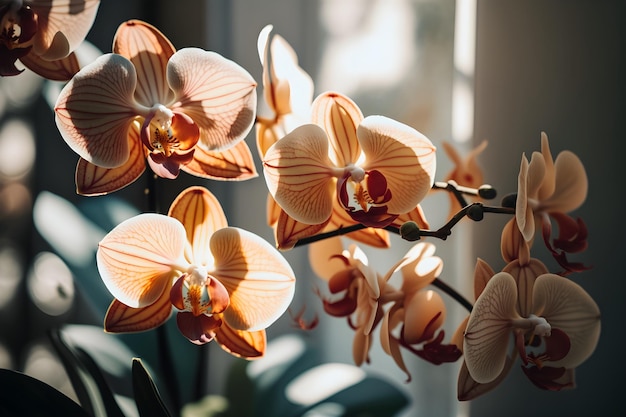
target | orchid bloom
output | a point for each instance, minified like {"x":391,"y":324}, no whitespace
{"x":188,"y":109}
{"x":551,"y":189}
{"x":554,"y":323}
{"x":466,"y":171}
{"x":43,"y":34}
{"x":377,"y":167}
{"x":418,"y":312}
{"x":226,"y":283}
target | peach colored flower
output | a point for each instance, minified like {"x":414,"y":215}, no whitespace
{"x":466,"y":171}
{"x":43,"y":34}
{"x":226,"y":283}
{"x":187,"y":109}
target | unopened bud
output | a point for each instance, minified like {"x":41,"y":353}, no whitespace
{"x":487,"y":192}
{"x":509,"y":200}
{"x":475,"y":212}
{"x":410,"y":231}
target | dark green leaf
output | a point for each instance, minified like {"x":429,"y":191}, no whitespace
{"x":147,"y":397}
{"x":22,"y":395}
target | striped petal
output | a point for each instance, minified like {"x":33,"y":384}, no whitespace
{"x":92,"y":180}
{"x":404,"y":156}
{"x":299,"y":174}
{"x":218,"y":94}
{"x":149,"y":50}
{"x":489,"y":329}
{"x":339,"y":117}
{"x":234,"y":164}
{"x":259,"y":280}
{"x":240,"y":343}
{"x":62,"y":69}
{"x":95,"y":109}
{"x":202,"y":215}
{"x":568,"y":307}
{"x":123,"y":319}
{"x":288,"y":231}
{"x":373,"y":236}
{"x":62,"y":25}
{"x":139,"y":258}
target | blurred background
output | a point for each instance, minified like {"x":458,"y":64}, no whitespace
{"x":459,"y":71}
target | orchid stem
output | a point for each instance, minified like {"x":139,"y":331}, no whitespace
{"x":453,"y":293}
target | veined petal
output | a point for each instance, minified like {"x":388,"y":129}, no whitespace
{"x":403,"y":155}
{"x":62,"y":69}
{"x":372,"y":236}
{"x":62,"y":25}
{"x":149,"y":50}
{"x":525,"y":276}
{"x":259,"y":280}
{"x":489,"y":329}
{"x":96,"y":108}
{"x":202,"y":215}
{"x":570,"y":184}
{"x":218,"y":94}
{"x":92,"y":180}
{"x":232,"y":164}
{"x":123,"y":319}
{"x":288,"y":231}
{"x":140,"y":257}
{"x":299,"y":174}
{"x":568,"y":307}
{"x":339,"y":116}
{"x":468,"y":389}
{"x":482,"y":274}
{"x":240,"y":343}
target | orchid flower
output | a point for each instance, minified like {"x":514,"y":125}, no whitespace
{"x":551,"y":189}
{"x":43,"y":34}
{"x":377,"y":167}
{"x":466,"y":171}
{"x":187,"y":109}
{"x":554,"y":323}
{"x":226,"y":283}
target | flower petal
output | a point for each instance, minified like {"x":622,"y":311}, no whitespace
{"x":372,"y":236}
{"x":324,"y":257}
{"x":198,"y":329}
{"x":416,"y":215}
{"x":525,"y":276}
{"x":62,"y":69}
{"x":529,"y":180}
{"x":92,"y":180}
{"x":489,"y":330}
{"x":123,"y":319}
{"x":259,"y":280}
{"x":568,"y":307}
{"x":403,"y":155}
{"x":202,"y":215}
{"x":299,"y":174}
{"x":235,"y":164}
{"x":240,"y":343}
{"x":218,"y":94}
{"x":138,"y":259}
{"x":482,"y":274}
{"x":95,"y":109}
{"x":149,"y":50}
{"x":468,"y":389}
{"x":62,"y":25}
{"x":425,"y":312}
{"x":570,"y":184}
{"x":391,"y":319}
{"x":339,"y":116}
{"x":289,"y":231}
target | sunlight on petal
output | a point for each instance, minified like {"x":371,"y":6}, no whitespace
{"x":299,"y":174}
{"x":218,"y":94}
{"x":288,"y":231}
{"x":259,"y":280}
{"x":137,"y":260}
{"x":95,"y":110}
{"x":123,"y":319}
{"x":149,"y":50}
{"x":234,"y":164}
{"x":568,"y":307}
{"x":240,"y":343}
{"x":403,"y":155}
{"x":489,"y":329}
{"x":323,"y":257}
{"x":58,"y":70}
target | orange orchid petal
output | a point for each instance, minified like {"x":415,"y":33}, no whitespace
{"x":416,"y":215}
{"x":289,"y":231}
{"x":299,"y":174}
{"x":259,"y":280}
{"x":218,"y":94}
{"x":403,"y":155}
{"x":62,"y":25}
{"x":234,"y":164}
{"x":568,"y":307}
{"x":373,"y":236}
{"x":548,"y":186}
{"x":529,"y":180}
{"x":267,"y":134}
{"x":92,"y":180}
{"x":241,"y":343}
{"x":513,"y":246}
{"x":489,"y":330}
{"x":139,"y":258}
{"x":202,"y":215}
{"x":273,"y":211}
{"x":482,"y":274}
{"x":339,"y":116}
{"x":425,"y":313}
{"x":360,"y":347}
{"x":95,"y":109}
{"x":323,"y":257}
{"x":571,"y":184}
{"x":123,"y":319}
{"x":62,"y":69}
{"x":392,"y":318}
{"x":149,"y":50}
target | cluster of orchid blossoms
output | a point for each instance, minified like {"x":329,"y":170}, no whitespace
{"x":332,"y":173}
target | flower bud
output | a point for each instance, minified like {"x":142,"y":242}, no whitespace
{"x":410,"y":231}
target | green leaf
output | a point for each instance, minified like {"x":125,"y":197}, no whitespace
{"x":22,"y":395}
{"x":149,"y":402}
